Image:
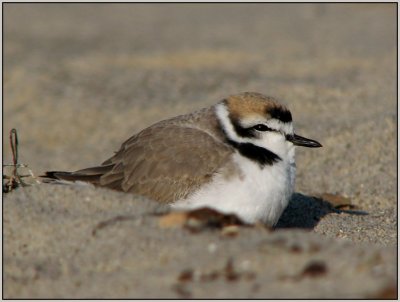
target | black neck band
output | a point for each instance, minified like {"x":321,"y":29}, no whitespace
{"x":258,"y":154}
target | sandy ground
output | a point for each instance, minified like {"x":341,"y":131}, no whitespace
{"x":80,"y":79}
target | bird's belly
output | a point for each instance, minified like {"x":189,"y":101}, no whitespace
{"x":257,"y":194}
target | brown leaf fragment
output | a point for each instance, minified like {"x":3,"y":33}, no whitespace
{"x":230,"y":231}
{"x":314,"y":269}
{"x":337,"y":201}
{"x":199,"y":219}
{"x":186,"y":275}
{"x":213,"y":219}
{"x":173,"y":219}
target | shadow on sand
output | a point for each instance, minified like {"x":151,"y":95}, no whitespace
{"x":306,"y":211}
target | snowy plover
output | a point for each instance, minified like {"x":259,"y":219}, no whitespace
{"x":237,"y":156}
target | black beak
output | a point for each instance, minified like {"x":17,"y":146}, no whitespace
{"x":298,"y":140}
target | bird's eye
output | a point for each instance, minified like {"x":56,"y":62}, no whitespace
{"x":262,"y":127}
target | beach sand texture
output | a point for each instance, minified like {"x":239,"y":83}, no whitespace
{"x":80,"y":79}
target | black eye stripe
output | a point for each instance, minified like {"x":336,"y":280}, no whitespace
{"x":243,"y":132}
{"x":250,"y":132}
{"x":262,"y":127}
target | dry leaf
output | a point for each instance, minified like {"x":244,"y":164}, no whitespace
{"x":199,"y":219}
{"x":173,"y":220}
{"x":314,"y":269}
{"x":337,"y":201}
{"x":230,"y":230}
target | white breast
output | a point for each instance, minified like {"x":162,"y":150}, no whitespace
{"x":258,"y":194}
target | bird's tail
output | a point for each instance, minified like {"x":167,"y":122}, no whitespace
{"x":89,"y":175}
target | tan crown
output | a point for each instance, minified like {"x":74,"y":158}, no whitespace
{"x":248,"y":104}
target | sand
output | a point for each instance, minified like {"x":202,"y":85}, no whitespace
{"x":80,"y":79}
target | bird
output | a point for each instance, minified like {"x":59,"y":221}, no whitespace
{"x":236,"y":157}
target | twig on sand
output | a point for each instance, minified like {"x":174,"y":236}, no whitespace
{"x":16,"y":179}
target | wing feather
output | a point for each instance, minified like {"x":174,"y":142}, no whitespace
{"x":166,"y":163}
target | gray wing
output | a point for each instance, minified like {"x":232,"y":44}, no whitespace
{"x":165,"y":163}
